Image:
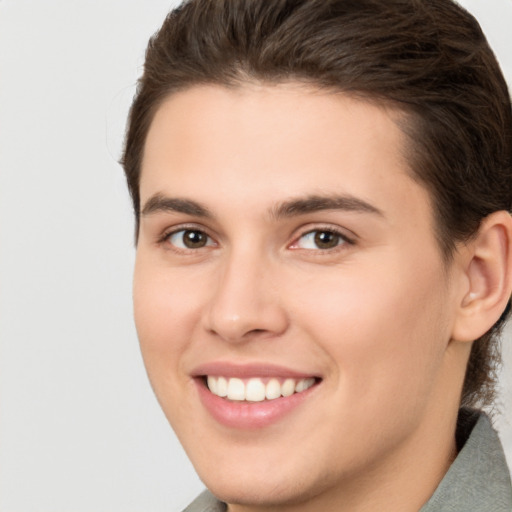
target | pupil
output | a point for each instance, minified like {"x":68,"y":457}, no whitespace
{"x":326,"y":239}
{"x":194,"y":239}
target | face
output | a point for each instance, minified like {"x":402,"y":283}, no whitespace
{"x":291,"y":301}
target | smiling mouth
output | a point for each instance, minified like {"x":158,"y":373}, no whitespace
{"x":257,"y":389}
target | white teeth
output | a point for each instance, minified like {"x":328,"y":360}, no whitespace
{"x":222,"y":387}
{"x":236,"y":389}
{"x":273,"y":389}
{"x":288,"y":387}
{"x":212,"y":384}
{"x":304,"y":384}
{"x":254,"y":389}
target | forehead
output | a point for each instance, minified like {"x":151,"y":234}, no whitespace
{"x":259,"y":143}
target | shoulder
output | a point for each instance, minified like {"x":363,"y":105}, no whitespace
{"x":206,"y":502}
{"x":479,"y":478}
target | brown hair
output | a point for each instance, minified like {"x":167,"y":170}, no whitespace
{"x":428,"y":57}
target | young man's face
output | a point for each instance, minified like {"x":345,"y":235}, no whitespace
{"x":283,"y":243}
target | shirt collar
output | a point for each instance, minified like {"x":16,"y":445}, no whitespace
{"x":479,"y":478}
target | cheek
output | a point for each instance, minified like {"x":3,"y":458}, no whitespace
{"x":165,"y":310}
{"x":385,"y":331}
{"x":165,"y":307}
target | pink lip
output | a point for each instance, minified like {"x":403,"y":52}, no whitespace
{"x":245,"y":371}
{"x":248,"y":415}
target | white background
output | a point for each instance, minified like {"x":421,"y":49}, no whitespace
{"x":79,"y":427}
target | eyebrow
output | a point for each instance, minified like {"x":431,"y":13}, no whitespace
{"x":161,"y":203}
{"x":315,"y":203}
{"x":291,"y":208}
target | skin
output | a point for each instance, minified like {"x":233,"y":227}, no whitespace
{"x":373,"y":316}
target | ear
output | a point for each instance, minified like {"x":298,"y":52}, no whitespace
{"x":487,"y":276}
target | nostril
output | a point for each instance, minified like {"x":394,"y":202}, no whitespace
{"x":256,"y":331}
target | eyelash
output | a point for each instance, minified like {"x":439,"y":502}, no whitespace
{"x":166,"y":237}
{"x":341,"y":239}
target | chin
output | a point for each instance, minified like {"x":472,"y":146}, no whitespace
{"x":265,"y":482}
{"x":260,"y":492}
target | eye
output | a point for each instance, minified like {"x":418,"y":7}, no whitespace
{"x":320,"y":239}
{"x":189,"y":239}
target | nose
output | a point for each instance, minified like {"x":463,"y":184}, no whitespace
{"x":245,"y":302}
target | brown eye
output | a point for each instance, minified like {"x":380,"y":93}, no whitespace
{"x":190,"y":239}
{"x":326,"y":239}
{"x":321,"y":239}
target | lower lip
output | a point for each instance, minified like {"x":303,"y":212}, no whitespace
{"x":249,"y":415}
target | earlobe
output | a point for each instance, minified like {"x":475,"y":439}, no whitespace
{"x":488,"y":272}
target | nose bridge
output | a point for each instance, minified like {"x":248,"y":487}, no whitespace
{"x":245,"y":301}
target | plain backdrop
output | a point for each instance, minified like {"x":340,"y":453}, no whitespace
{"x":79,"y":427}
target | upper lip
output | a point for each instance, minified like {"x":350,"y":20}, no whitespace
{"x":248,"y":370}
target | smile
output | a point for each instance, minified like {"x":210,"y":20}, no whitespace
{"x":253,"y":396}
{"x":256,"y":389}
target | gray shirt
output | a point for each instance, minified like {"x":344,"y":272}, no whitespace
{"x":477,"y":481}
